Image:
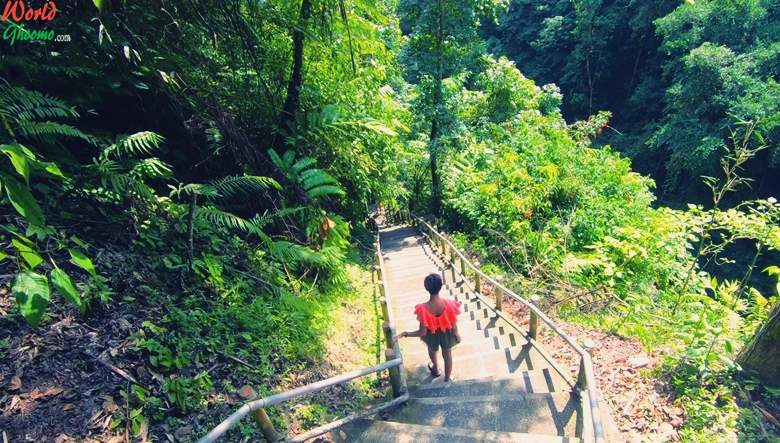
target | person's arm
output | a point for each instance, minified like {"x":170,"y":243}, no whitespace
{"x":422,"y":332}
{"x":455,"y":332}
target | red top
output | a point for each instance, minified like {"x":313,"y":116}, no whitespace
{"x":444,"y":321}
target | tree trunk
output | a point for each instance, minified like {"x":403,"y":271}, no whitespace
{"x":762,"y":354}
{"x":434,"y":148}
{"x":435,"y":185}
{"x":291,"y":103}
{"x":191,"y":229}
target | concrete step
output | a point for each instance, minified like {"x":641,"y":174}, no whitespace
{"x":471,"y":366}
{"x":378,"y":431}
{"x":547,"y":414}
{"x":540,"y":381}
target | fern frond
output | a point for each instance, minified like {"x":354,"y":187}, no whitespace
{"x":27,"y":104}
{"x":288,"y":252}
{"x":243,"y":184}
{"x":140,"y":143}
{"x":151,"y":168}
{"x":196,"y":188}
{"x":302,"y":164}
{"x":276,"y":160}
{"x":262,"y":220}
{"x":223,"y":219}
{"x":107,"y":167}
{"x":141,"y":190}
{"x":48,"y":130}
{"x":288,"y":158}
{"x":324,"y":191}
{"x":317,"y":177}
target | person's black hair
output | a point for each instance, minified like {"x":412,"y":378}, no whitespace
{"x":433,"y":283}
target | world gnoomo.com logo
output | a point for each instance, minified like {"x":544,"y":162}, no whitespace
{"x":22,"y":22}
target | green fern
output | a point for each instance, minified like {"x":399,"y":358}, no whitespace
{"x":122,"y":173}
{"x":316,"y":183}
{"x":29,"y":114}
{"x":293,"y":253}
{"x":263,"y":220}
{"x":228,"y":187}
{"x":140,"y":143}
{"x":243,"y":184}
{"x":225,"y":220}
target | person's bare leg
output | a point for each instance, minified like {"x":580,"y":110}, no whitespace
{"x":433,"y":355}
{"x":447,"y":355}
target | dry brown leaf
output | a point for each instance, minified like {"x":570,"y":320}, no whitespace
{"x":109,"y":406}
{"x":15,"y":383}
{"x":51,"y":391}
{"x":68,"y":406}
{"x":12,"y":405}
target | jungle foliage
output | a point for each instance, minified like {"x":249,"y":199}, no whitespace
{"x":194,"y":176}
{"x":568,"y":222}
{"x":157,"y":173}
{"x":675,"y":76}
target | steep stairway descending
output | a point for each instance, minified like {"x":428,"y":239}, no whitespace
{"x":504,"y":389}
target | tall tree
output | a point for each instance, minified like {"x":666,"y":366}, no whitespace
{"x":292,"y":102}
{"x":443,"y":41}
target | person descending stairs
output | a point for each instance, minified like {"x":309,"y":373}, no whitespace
{"x":503,"y":389}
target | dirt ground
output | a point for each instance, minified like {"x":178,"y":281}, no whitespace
{"x":641,"y":406}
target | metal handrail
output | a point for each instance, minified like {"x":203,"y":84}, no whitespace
{"x":394,"y":363}
{"x":271,"y":400}
{"x":586,"y":364}
{"x":383,"y":286}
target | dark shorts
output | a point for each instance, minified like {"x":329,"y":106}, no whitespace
{"x":439,"y":339}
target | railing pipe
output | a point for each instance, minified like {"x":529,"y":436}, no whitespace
{"x":586,"y":369}
{"x":271,"y":400}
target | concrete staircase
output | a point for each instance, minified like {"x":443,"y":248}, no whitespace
{"x":503,"y":389}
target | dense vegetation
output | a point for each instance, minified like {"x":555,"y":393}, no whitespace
{"x":156,"y":174}
{"x":674,"y":76}
{"x":186,"y":185}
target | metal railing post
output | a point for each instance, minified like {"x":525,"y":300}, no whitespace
{"x":395,"y":374}
{"x":383,"y":303}
{"x":388,"y":330}
{"x":452,"y":265}
{"x":585,"y":378}
{"x":582,"y":379}
{"x":260,"y":416}
{"x":533,"y":325}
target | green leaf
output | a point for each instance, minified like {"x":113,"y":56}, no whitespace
{"x":52,"y":168}
{"x":19,"y":160}
{"x":31,"y":291}
{"x":28,"y":253}
{"x":64,"y":285}
{"x":99,"y":4}
{"x":3,"y":256}
{"x":82,"y":261}
{"x":380,"y":128}
{"x":23,"y":201}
